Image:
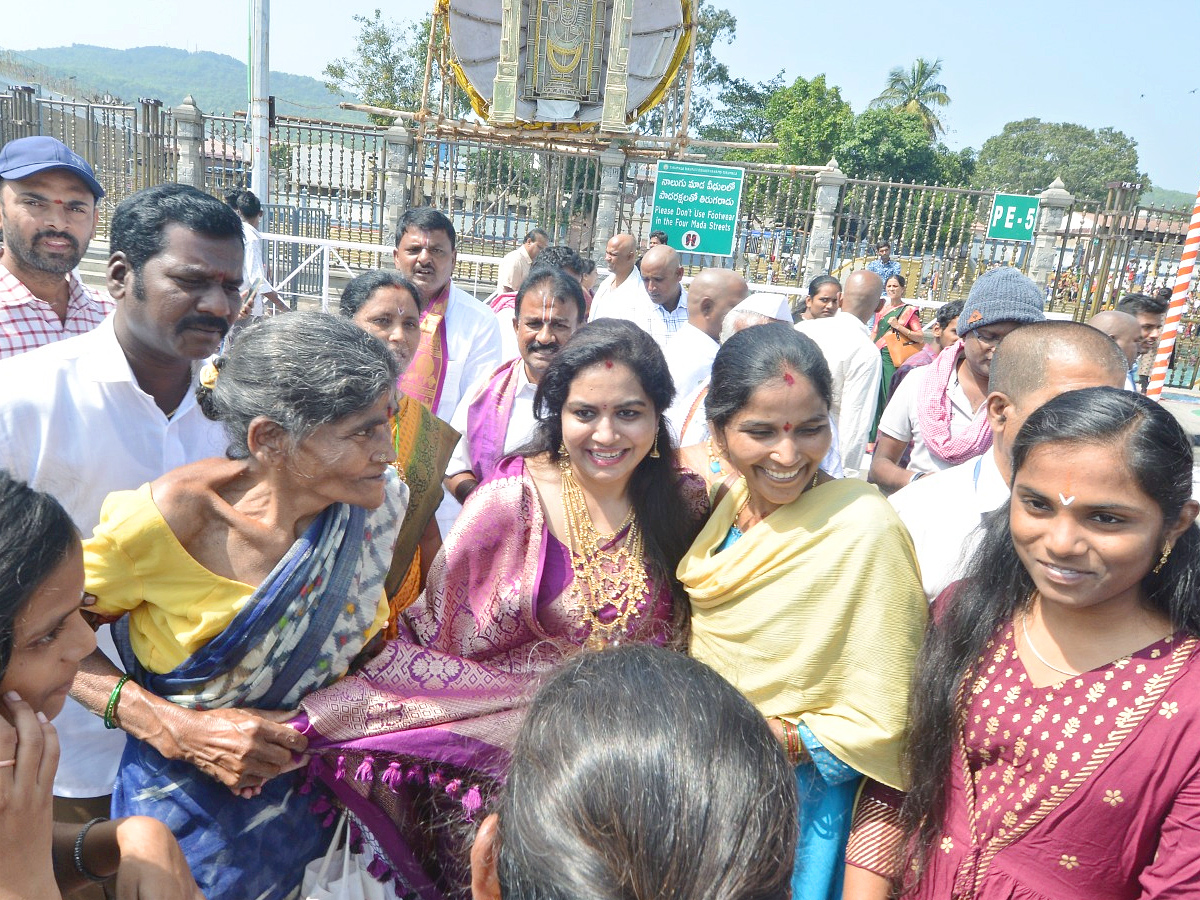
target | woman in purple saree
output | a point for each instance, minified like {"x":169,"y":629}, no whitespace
{"x":574,"y":543}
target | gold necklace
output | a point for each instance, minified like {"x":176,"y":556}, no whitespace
{"x":603,"y":578}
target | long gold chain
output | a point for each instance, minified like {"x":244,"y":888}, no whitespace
{"x":603,"y":578}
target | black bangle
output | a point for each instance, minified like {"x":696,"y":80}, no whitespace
{"x":79,"y":864}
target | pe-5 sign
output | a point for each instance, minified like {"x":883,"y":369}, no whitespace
{"x":697,"y":206}
{"x":1013,"y":217}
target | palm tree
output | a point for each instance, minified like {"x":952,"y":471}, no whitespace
{"x":916,"y":91}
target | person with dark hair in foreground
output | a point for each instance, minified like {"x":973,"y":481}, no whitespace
{"x":822,"y":641}
{"x":1055,"y":742}
{"x":574,"y":541}
{"x":42,"y":640}
{"x":640,"y":773}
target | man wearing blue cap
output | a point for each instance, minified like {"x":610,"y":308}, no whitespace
{"x":49,"y":199}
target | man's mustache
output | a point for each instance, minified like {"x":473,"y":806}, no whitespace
{"x":57,"y":236}
{"x":199,"y":320}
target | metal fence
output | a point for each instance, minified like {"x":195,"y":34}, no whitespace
{"x":495,"y":193}
{"x":328,"y":183}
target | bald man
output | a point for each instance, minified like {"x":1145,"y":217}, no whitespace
{"x":662,"y":273}
{"x":622,"y":294}
{"x":1126,"y":330}
{"x":854,"y":363}
{"x":1034,"y":364}
{"x":691,"y":350}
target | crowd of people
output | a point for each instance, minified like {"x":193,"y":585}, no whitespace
{"x":649,"y":591}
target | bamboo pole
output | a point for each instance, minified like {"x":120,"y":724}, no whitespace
{"x":547,"y":133}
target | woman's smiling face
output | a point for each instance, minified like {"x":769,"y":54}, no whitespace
{"x":608,"y":423}
{"x":1083,"y":527}
{"x":778,"y":439}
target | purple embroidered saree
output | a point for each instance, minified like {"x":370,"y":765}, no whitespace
{"x":487,"y":419}
{"x":413,"y":743}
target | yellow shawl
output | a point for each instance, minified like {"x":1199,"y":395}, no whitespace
{"x":816,"y":613}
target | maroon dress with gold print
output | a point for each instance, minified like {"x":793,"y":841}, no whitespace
{"x":1084,"y":790}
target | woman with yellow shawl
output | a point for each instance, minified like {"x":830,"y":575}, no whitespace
{"x":388,"y":305}
{"x":805,"y":594}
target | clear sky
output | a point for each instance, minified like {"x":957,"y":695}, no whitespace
{"x":1094,"y":62}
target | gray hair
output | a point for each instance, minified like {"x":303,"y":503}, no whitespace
{"x":738,"y":319}
{"x":301,"y":370}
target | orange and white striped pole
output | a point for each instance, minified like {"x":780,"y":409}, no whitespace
{"x":1183,"y":283}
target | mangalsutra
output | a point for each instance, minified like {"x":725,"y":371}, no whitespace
{"x":603,"y":577}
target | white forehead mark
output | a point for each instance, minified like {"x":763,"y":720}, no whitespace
{"x":1065,"y":501}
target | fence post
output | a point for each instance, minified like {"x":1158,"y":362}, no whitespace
{"x":398,"y":143}
{"x":1054,"y":203}
{"x":820,"y":240}
{"x":189,"y":132}
{"x":612,"y":161}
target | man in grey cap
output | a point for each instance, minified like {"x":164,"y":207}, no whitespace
{"x":49,"y":200}
{"x":938,"y":411}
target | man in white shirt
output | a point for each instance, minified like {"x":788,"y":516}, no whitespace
{"x":690,"y":351}
{"x":113,"y":409}
{"x":516,"y":263}
{"x":662,"y":275}
{"x":622,"y":294}
{"x":1034,"y":364}
{"x":496,"y":414}
{"x":1126,"y":331}
{"x":938,"y":410}
{"x":854,"y":363}
{"x":255,"y":284}
{"x":460,"y":338}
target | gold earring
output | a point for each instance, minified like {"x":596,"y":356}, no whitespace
{"x":562,"y":450}
{"x":654,"y":449}
{"x":1162,"y":560}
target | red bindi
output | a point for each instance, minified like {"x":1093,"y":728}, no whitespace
{"x":789,"y":378}
{"x":608,"y":364}
{"x":787,"y":426}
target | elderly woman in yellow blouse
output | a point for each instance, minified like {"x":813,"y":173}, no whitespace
{"x":248,"y":583}
{"x":805,"y":594}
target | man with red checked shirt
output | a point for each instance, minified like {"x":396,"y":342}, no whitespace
{"x":49,"y":200}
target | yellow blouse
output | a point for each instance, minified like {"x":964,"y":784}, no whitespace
{"x":134,"y":564}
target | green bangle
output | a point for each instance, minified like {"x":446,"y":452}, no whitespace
{"x":113,"y":699}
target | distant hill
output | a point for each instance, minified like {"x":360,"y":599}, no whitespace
{"x":217,"y":82}
{"x":1168,"y":199}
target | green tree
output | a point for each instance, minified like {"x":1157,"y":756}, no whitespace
{"x":1027,"y":155}
{"x":889,"y":145}
{"x":388,"y":66}
{"x":742,"y":113}
{"x":916,"y":91}
{"x":810,"y":120}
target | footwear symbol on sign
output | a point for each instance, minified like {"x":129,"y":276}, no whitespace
{"x":691,"y":240}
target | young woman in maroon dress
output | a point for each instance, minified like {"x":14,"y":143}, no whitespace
{"x":1055,"y":744}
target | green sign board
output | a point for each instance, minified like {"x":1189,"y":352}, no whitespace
{"x":1013,"y":217}
{"x":697,"y":206}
